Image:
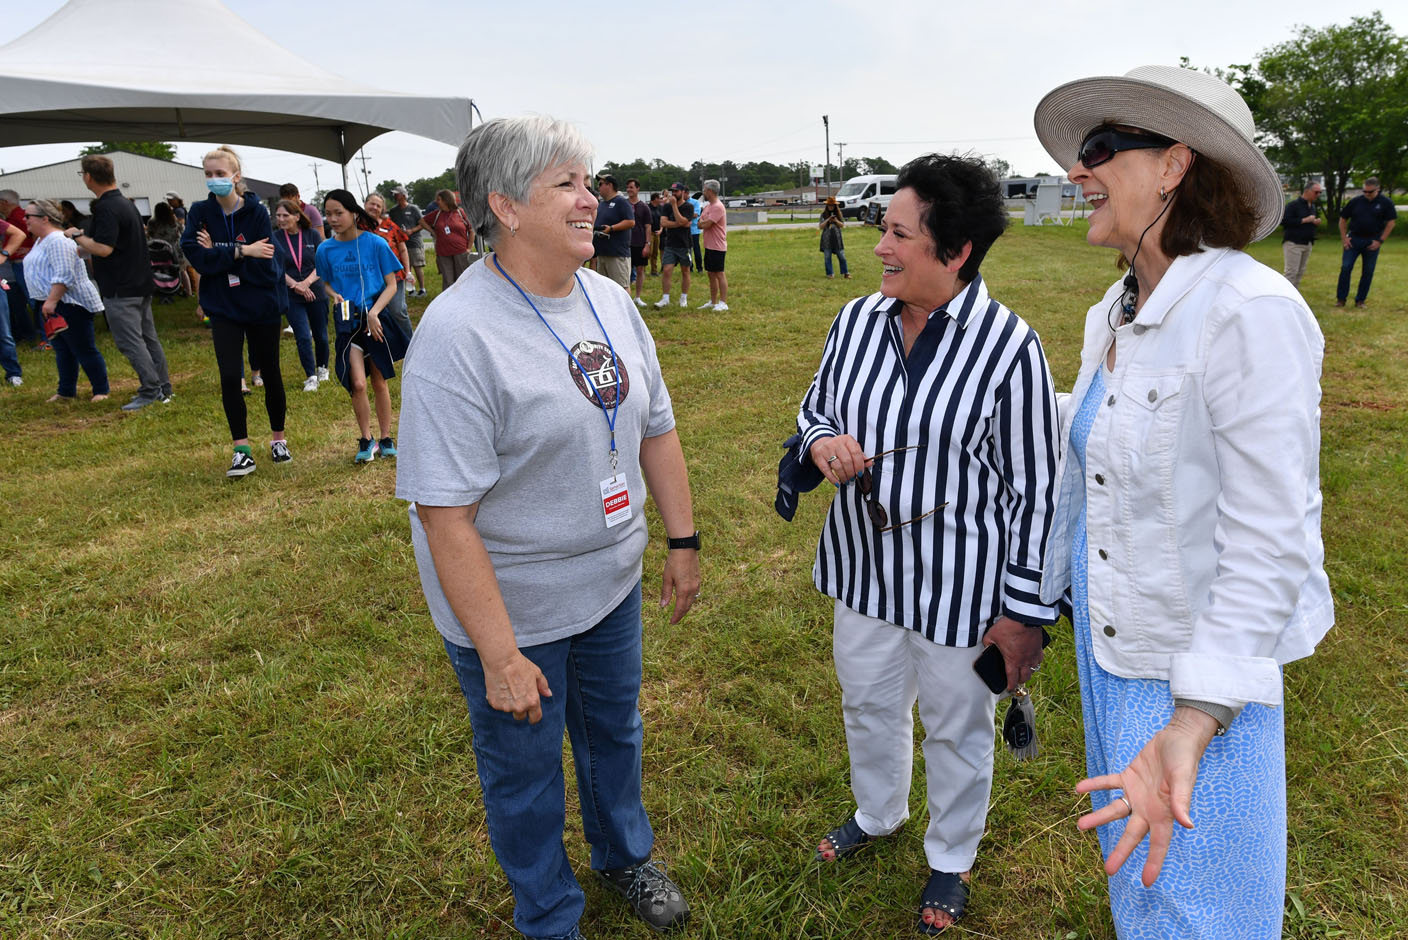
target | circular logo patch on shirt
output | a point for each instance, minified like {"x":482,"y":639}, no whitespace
{"x":601,"y":373}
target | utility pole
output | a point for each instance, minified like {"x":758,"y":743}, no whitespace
{"x":826,"y":164}
{"x":840,"y":162}
{"x":366,"y":176}
{"x":317,"y":186}
{"x":723,"y":184}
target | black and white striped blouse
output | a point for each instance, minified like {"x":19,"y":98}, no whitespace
{"x":976,"y":397}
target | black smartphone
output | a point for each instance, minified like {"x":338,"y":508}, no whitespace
{"x":992,"y":668}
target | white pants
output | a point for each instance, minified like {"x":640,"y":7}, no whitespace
{"x":883,"y":668}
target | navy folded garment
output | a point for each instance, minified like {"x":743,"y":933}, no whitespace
{"x":796,"y":474}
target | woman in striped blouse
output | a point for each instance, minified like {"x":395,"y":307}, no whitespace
{"x":934,"y":415}
{"x":56,"y":277}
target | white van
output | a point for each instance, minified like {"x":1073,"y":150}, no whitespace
{"x":860,"y":192}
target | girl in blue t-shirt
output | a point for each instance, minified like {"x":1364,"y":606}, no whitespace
{"x":360,"y":272}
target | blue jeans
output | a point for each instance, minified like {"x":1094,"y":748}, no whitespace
{"x":76,"y":346}
{"x":25,"y":324}
{"x":826,"y":257}
{"x":1358,"y":247}
{"x":309,"y":319}
{"x":595,"y":681}
{"x":8,"y":360}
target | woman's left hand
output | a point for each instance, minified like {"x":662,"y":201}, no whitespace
{"x":1158,"y":784}
{"x":682,"y":579}
{"x":374,"y":325}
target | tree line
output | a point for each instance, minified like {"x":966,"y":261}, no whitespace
{"x":736,"y":178}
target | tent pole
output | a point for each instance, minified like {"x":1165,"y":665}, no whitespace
{"x":342,"y":153}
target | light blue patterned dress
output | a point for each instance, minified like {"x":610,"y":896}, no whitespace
{"x":1226,"y":878}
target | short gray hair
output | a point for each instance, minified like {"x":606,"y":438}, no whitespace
{"x":49,"y":208}
{"x":714,"y":185}
{"x":9,"y":195}
{"x":505,"y":155}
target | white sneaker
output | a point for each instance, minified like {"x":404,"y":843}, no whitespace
{"x":720,"y":307}
{"x":684,"y":301}
{"x":288,"y":330}
{"x":322,"y":373}
{"x":640,"y":303}
{"x":707,"y":305}
{"x":662,"y":303}
{"x":17,"y":381}
{"x":310,"y":384}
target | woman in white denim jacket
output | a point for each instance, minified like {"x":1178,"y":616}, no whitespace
{"x":1187,"y":527}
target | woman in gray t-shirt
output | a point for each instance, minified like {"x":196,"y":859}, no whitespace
{"x":533,"y":416}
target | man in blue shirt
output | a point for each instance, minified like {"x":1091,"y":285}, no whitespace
{"x":698,"y":203}
{"x":614,"y":220}
{"x":1365,"y":222}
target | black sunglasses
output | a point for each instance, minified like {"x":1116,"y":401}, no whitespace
{"x":878,"y":516}
{"x":1103,"y":143}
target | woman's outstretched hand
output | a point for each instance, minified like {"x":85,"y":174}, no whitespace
{"x":1158,"y":783}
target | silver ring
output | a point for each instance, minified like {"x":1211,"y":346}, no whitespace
{"x":1036,"y":667}
{"x":1128,"y":805}
{"x":831,"y":459}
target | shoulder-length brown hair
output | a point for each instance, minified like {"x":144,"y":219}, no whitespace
{"x":1210,"y":210}
{"x":292,"y":207}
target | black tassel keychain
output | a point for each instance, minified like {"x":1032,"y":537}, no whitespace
{"x":1019,"y":727}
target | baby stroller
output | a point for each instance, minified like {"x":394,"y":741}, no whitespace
{"x":166,"y":270}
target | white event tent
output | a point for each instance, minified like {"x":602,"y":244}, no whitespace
{"x":192,"y":70}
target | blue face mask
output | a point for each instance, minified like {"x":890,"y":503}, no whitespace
{"x":220,"y":185}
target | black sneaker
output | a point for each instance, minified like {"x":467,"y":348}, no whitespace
{"x":651,"y":894}
{"x":279,"y":450}
{"x":241,"y":466}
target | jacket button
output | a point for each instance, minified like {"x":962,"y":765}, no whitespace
{"x":1100,"y":479}
{"x":1139,"y":329}
{"x":1104,"y":555}
{"x":1109,"y":630}
{"x":1111,"y":402}
{"x":1153,"y":395}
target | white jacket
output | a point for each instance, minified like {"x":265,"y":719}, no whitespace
{"x":1202,"y":484}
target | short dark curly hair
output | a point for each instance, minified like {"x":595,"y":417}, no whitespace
{"x":962,"y":204}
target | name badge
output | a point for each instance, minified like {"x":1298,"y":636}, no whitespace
{"x":615,"y":501}
{"x":447,"y":230}
{"x":234,"y":280}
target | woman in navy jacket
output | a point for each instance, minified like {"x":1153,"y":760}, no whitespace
{"x":227,"y":240}
{"x":296,"y":242}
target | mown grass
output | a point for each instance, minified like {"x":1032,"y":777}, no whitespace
{"x":224,"y":712}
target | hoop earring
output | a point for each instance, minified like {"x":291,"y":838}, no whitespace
{"x":513,"y":230}
{"x":1163,"y":195}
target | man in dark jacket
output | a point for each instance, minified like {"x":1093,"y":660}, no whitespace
{"x":117,"y":240}
{"x":1365,"y":222}
{"x":1298,"y":223}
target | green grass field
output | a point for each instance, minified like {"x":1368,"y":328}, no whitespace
{"x":224,"y":712}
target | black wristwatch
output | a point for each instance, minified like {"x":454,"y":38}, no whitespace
{"x":689,"y":541}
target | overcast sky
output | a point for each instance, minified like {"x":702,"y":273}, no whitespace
{"x":737,"y":79}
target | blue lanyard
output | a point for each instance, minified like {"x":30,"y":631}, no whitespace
{"x":611,"y":416}
{"x":230,"y":223}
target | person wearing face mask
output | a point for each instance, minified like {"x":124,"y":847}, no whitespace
{"x":227,"y":239}
{"x":117,"y":242}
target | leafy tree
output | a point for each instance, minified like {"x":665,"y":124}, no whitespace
{"x":147,"y":148}
{"x":1000,"y":168}
{"x":1333,"y":101}
{"x":385,"y":187}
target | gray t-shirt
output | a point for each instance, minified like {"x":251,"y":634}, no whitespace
{"x":494,"y":411}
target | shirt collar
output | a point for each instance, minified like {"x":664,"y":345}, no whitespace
{"x":1178,"y":280}
{"x":961,"y":309}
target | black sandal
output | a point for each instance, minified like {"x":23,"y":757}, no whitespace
{"x":846,"y":839}
{"x":947,"y":892}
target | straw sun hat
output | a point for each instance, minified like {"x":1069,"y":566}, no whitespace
{"x":1195,"y":108}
